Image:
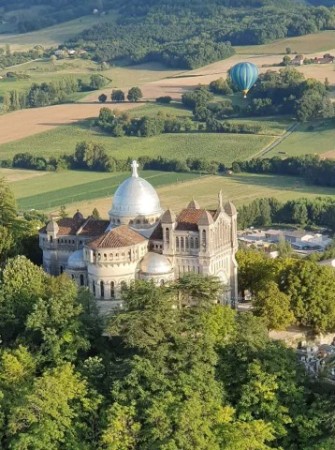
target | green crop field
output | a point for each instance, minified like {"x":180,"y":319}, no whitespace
{"x":311,"y":138}
{"x":213,"y":146}
{"x":240,"y":188}
{"x":311,"y":43}
{"x":56,"y":189}
{"x":152,"y":109}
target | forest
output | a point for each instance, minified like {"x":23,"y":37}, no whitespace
{"x":206,"y":34}
{"x":158,"y":374}
{"x":184,"y":34}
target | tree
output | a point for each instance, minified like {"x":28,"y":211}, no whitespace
{"x":310,"y":287}
{"x":91,"y":156}
{"x":165,"y":99}
{"x":47,"y":416}
{"x":117,"y":96}
{"x":121,"y":432}
{"x":96,"y":214}
{"x":220,"y":86}
{"x":175,"y":345}
{"x":62,"y":212}
{"x":18,"y":297}
{"x":288,"y":50}
{"x":97,"y":81}
{"x":286,"y":60}
{"x":102,"y":98}
{"x":134,"y":94}
{"x":55,"y":321}
{"x":273,"y":306}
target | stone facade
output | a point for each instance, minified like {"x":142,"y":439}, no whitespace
{"x":141,"y":241}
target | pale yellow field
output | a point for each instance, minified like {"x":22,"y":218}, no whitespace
{"x":241,"y":189}
{"x":318,"y":42}
{"x":12,"y":175}
{"x":154,"y":83}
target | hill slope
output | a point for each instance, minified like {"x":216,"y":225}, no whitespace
{"x":180,"y":33}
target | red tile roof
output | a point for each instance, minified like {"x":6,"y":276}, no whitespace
{"x":94,"y":227}
{"x":121,"y":236}
{"x":189,"y":218}
{"x":82,"y":227}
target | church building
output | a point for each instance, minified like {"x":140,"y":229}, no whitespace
{"x":142,"y":241}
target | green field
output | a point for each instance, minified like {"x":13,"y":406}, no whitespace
{"x":52,"y":36}
{"x":45,"y":71}
{"x":85,"y":190}
{"x":315,"y":138}
{"x":74,"y":186}
{"x":213,"y":146}
{"x":240,"y":188}
{"x":39,"y":71}
{"x":311,"y":43}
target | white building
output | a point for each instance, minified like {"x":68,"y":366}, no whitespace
{"x":141,"y":241}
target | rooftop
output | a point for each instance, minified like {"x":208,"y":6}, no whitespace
{"x":121,"y":236}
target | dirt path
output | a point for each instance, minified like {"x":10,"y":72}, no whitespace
{"x":20,"y":124}
{"x":277,"y":141}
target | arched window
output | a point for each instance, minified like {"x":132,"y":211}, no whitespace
{"x":102,"y":289}
{"x":177,"y":243}
{"x":93,"y":288}
{"x":196,"y":243}
{"x":186,"y":243}
{"x":112,"y":289}
{"x":61,"y":269}
{"x":123,"y":285}
{"x":82,"y":281}
{"x":181,"y":243}
{"x":204,"y":238}
{"x":191,"y":242}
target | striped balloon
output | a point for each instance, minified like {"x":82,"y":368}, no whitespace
{"x":244,"y":76}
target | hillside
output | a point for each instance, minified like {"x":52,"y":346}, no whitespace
{"x":185,"y":34}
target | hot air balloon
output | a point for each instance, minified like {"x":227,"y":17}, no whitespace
{"x":244,"y":76}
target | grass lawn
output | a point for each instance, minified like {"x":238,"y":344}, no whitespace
{"x":306,"y":140}
{"x":311,"y":43}
{"x":222,"y":147}
{"x":66,"y":187}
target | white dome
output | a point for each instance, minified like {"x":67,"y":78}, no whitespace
{"x":155,"y":264}
{"x":135,"y":197}
{"x":76,"y":260}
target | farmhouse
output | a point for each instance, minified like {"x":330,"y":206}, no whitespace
{"x":325,"y":59}
{"x":141,"y":241}
{"x":298,"y":60}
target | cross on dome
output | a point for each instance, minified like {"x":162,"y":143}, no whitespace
{"x":134,"y":166}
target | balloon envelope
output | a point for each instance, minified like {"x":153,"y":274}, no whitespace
{"x":244,"y":76}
